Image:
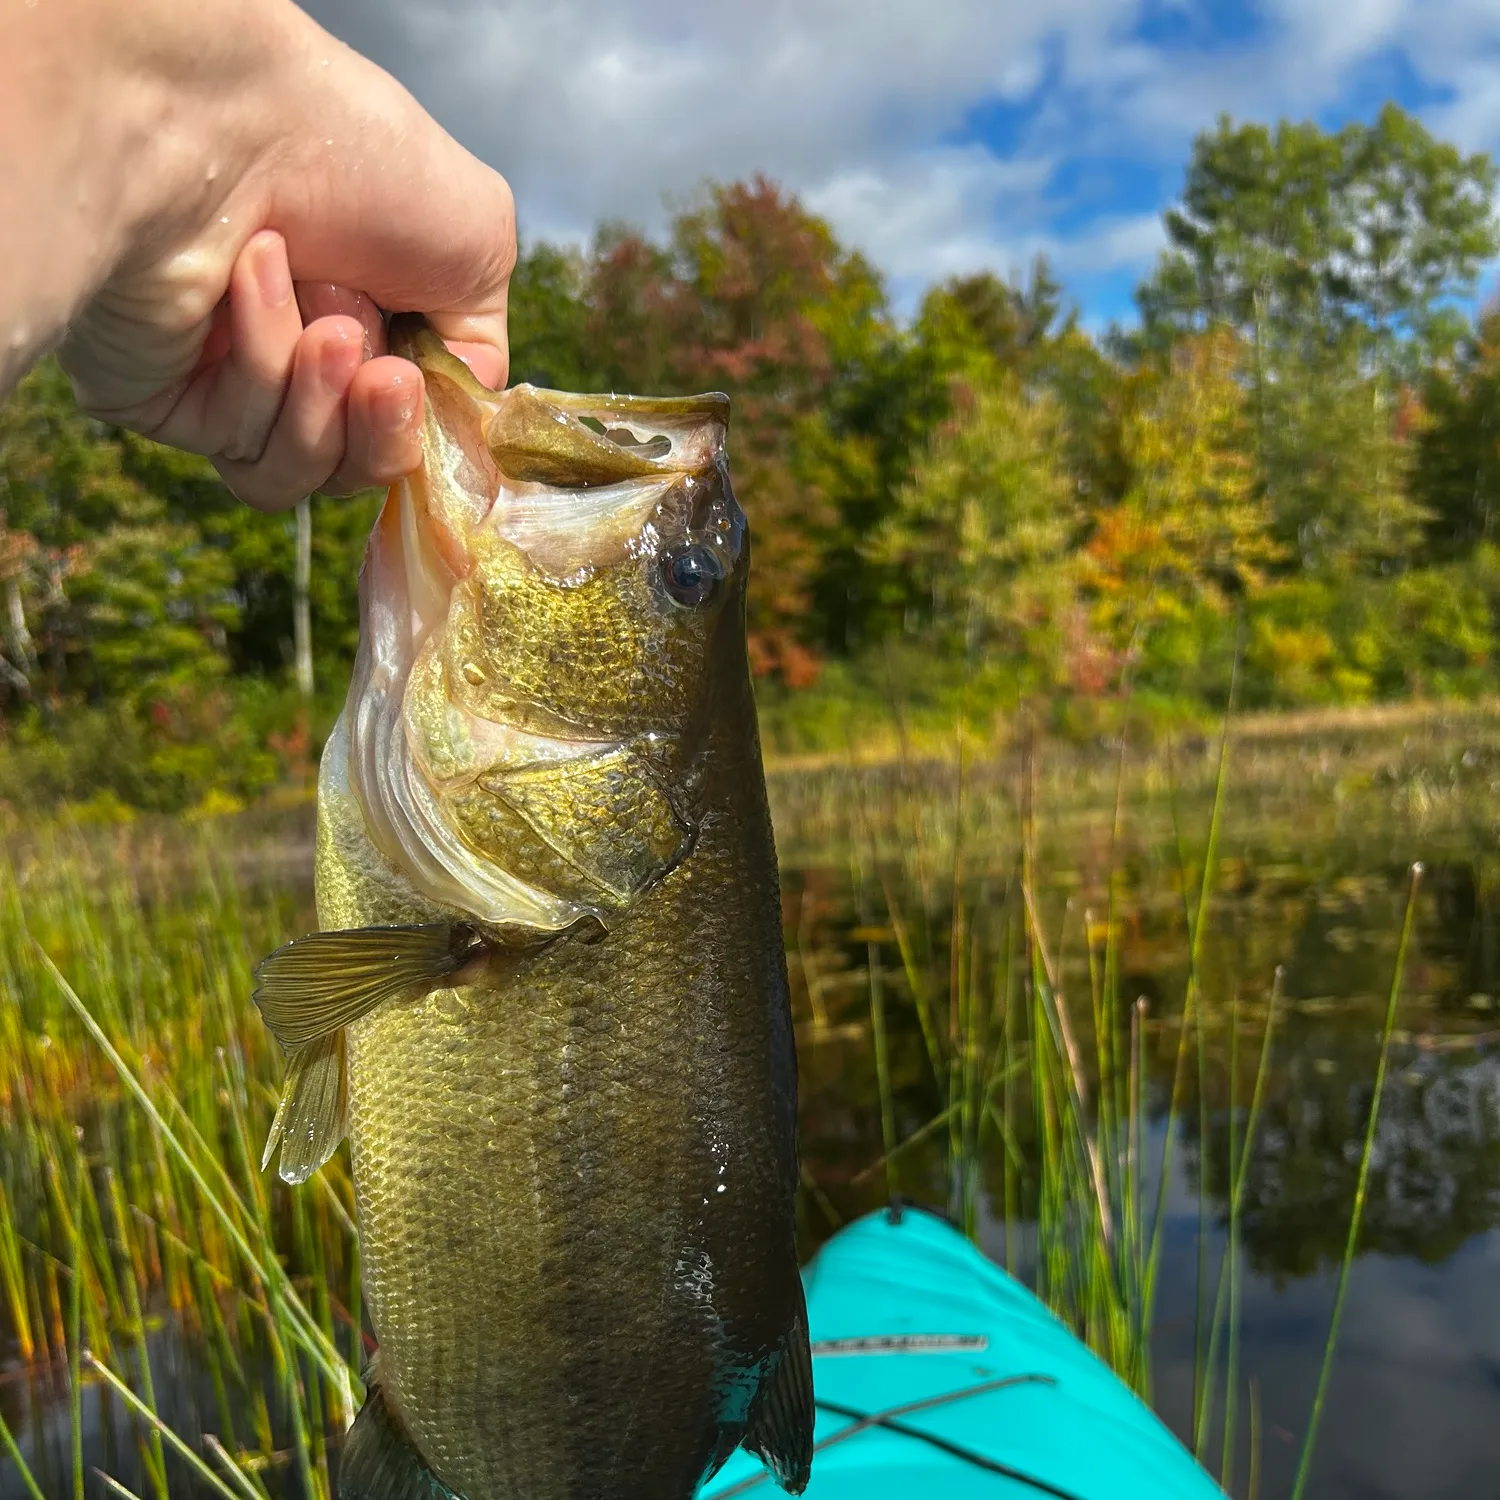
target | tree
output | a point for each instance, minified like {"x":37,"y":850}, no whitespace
{"x":753,"y":296}
{"x":1298,"y":237}
{"x":549,"y":320}
{"x":1457,"y":470}
{"x":128,"y":598}
{"x":1334,"y":461}
{"x":1192,"y":533}
{"x":983,"y":530}
{"x":1009,"y":322}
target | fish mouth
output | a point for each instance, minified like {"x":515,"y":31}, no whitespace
{"x":573,"y":481}
{"x":568,"y":478}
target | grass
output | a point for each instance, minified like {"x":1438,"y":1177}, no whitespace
{"x":147,"y":1265}
{"x":1034,"y":1060}
{"x":133,"y":1206}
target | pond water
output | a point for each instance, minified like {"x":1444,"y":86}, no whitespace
{"x":1413,"y":1407}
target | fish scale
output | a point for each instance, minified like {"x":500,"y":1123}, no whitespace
{"x":573,"y":1134}
{"x":522,"y":1355}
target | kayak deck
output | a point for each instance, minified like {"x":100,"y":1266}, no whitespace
{"x":981,"y":1392}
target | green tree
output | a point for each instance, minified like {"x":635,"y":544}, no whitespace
{"x":1297,"y":236}
{"x":1457,"y":469}
{"x":1008,"y":322}
{"x":1192,"y":533}
{"x":983,"y":530}
{"x":549,"y":320}
{"x":131,"y":600}
{"x":1335,"y":462}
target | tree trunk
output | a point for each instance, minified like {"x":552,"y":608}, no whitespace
{"x":15,"y":676}
{"x":20,"y":637}
{"x":301,"y":609}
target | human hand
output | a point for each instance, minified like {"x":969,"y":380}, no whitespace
{"x":268,"y":170}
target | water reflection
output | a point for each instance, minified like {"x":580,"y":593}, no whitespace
{"x":1416,"y":1391}
{"x":1415,"y":1399}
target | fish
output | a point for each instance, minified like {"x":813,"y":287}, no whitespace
{"x":548,"y":1003}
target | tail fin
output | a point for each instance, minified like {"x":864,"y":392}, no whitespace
{"x":379,"y":1461}
{"x":781,"y":1422}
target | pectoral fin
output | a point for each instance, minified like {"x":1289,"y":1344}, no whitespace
{"x":315,"y":985}
{"x":781,"y":1421}
{"x":308,"y":990}
{"x":309,"y":1120}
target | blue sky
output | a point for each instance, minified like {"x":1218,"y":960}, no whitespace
{"x":939,"y":136}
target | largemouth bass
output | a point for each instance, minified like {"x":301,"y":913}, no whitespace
{"x":549,"y":1004}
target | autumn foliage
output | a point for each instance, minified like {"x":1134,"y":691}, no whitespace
{"x":1289,"y":469}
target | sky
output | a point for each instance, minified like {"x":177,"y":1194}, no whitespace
{"x":937,"y":136}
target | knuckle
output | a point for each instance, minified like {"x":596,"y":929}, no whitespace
{"x":188,"y":288}
{"x":347,"y":479}
{"x":259,"y":490}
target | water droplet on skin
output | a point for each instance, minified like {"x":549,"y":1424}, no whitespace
{"x":224,"y":218}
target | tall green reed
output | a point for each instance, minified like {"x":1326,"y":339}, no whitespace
{"x":135,"y":1082}
{"x":133,"y":1204}
{"x":1037,"y":1060}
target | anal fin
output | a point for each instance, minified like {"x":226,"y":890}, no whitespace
{"x":379,"y":1461}
{"x":780,"y":1431}
{"x":310,"y":1120}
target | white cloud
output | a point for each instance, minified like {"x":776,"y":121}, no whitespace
{"x":597,"y":111}
{"x":933,"y":213}
{"x":1113,"y":244}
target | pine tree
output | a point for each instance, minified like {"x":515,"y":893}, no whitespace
{"x":983,"y":529}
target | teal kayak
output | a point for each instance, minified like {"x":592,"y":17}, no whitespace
{"x":937,"y":1374}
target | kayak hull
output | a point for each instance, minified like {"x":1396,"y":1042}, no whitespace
{"x":985,"y":1395}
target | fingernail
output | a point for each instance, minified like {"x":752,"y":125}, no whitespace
{"x":272,"y":273}
{"x":340,"y":359}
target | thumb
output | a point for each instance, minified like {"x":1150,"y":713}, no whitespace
{"x":489,"y":362}
{"x":390,"y":203}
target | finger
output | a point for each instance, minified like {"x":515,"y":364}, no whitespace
{"x":265,"y":327}
{"x":323,"y":299}
{"x":231,"y":405}
{"x":383,"y":435}
{"x":307,"y":443}
{"x":486,"y":361}
{"x":433,"y":230}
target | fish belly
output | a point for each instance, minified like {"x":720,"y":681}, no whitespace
{"x":575,"y":1188}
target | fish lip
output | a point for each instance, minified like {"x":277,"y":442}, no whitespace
{"x":534,"y":432}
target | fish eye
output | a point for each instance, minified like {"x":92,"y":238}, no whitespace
{"x":692,"y":574}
